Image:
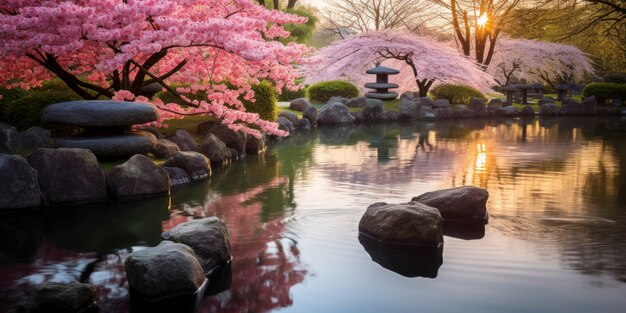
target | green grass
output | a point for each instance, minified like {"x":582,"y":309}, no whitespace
{"x":189,"y":123}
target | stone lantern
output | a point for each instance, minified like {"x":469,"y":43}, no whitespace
{"x":382,"y":84}
{"x":562,"y":92}
{"x":510,"y":92}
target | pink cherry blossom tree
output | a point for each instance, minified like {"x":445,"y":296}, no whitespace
{"x":422,"y":61}
{"x":114,"y":48}
{"x":532,"y":60}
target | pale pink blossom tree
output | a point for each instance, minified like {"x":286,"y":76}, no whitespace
{"x":422,"y":61}
{"x":532,"y":60}
{"x":114,"y":48}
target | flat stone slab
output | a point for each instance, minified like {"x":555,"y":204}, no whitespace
{"x":382,"y":70}
{"x":381,"y":85}
{"x":99,"y":113}
{"x":382,"y":96}
{"x":112,"y":146}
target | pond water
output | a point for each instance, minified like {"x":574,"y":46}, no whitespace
{"x":555,"y":241}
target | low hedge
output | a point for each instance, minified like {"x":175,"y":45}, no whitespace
{"x":265,"y":101}
{"x":605,"y":91}
{"x":615,"y":77}
{"x":26,"y":111}
{"x":288,"y":95}
{"x":456,"y":94}
{"x":323,"y":91}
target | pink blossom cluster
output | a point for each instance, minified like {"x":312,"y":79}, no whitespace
{"x":217,"y":40}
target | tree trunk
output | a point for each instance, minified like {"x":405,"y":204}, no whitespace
{"x":276,"y":4}
{"x":291,"y":4}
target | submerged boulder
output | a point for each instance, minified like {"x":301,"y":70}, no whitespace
{"x":19,"y":187}
{"x":232,"y":139}
{"x":138,"y":177}
{"x":215,"y":149}
{"x":69,"y":175}
{"x":465,"y":202}
{"x":195,"y":164}
{"x":286,"y":125}
{"x":208,"y":237}
{"x":411,"y":223}
{"x":167,"y":270}
{"x":310,"y":113}
{"x":59,"y":298}
{"x":255,"y":145}
{"x":177,"y":175}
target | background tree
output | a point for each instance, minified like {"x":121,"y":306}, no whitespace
{"x":531,"y":60}
{"x":422,"y":61}
{"x":343,"y":16}
{"x":113,"y":49}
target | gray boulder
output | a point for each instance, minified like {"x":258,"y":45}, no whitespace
{"x":426,"y":113}
{"x":527,"y":111}
{"x":405,"y":223}
{"x":69,"y":176}
{"x":183,"y":139}
{"x":232,"y":139}
{"x":409,"y":95}
{"x":99,"y":113}
{"x":169,"y":269}
{"x":358,"y":102}
{"x":374,"y":110}
{"x":441,"y":104}
{"x":589,"y":105}
{"x":177,"y":175}
{"x":510,"y":110}
{"x":165,"y":149}
{"x":299,"y":104}
{"x":460,"y":203}
{"x":292,"y":117}
{"x":443,"y":113}
{"x":138,"y":177}
{"x":215,"y":149}
{"x":195,"y":164}
{"x":335,"y":113}
{"x":409,"y":110}
{"x":7,"y":138}
{"x":392,"y":116}
{"x":286,"y":125}
{"x":19,"y":187}
{"x":310,"y":114}
{"x":341,"y":100}
{"x":55,"y":297}
{"x":477,"y":105}
{"x":255,"y":145}
{"x":303,"y":124}
{"x":26,"y":142}
{"x":208,"y":237}
{"x":548,"y":108}
{"x":496,"y":110}
{"x":114,"y":146}
{"x":497,"y":102}
{"x":426,"y":101}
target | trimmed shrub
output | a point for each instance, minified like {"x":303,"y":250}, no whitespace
{"x":456,"y":94}
{"x":288,"y":95}
{"x":7,"y":96}
{"x":26,"y":111}
{"x":323,"y":91}
{"x":265,"y":104}
{"x":615,"y":77}
{"x":605,"y":91}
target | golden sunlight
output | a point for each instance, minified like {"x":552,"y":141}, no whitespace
{"x":482,"y":20}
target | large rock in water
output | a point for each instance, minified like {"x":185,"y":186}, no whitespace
{"x":69,"y":176}
{"x":357,"y":102}
{"x":59,"y":298}
{"x":292,"y":117}
{"x":32,"y":139}
{"x":335,"y":113}
{"x":310,"y":113}
{"x":285,"y":125}
{"x":548,"y":108}
{"x":184,"y":140}
{"x":405,"y":223}
{"x":112,"y":146}
{"x":460,"y":203}
{"x":409,"y":109}
{"x":138,"y":177}
{"x":232,"y":139}
{"x":177,"y":175}
{"x":195,"y":164}
{"x":477,"y":105}
{"x":255,"y":145}
{"x":99,"y":113}
{"x":165,"y":149}
{"x":208,"y":237}
{"x":374,"y":110}
{"x":216,"y":150}
{"x":167,"y":270}
{"x":19,"y":187}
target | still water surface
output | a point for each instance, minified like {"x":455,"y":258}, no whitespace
{"x":555,"y":242}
